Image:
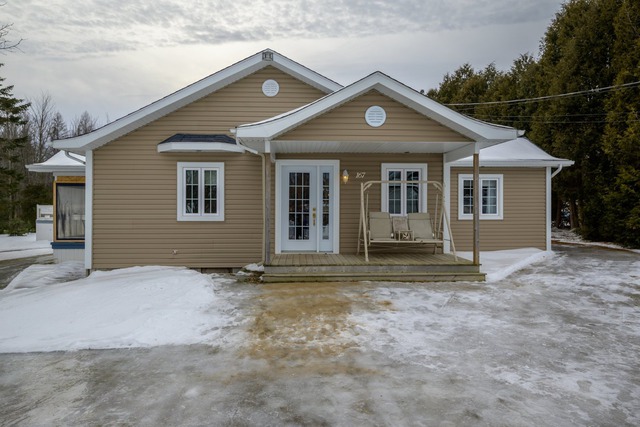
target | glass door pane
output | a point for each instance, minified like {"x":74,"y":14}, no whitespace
{"x":299,"y":203}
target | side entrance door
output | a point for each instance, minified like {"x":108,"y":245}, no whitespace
{"x":307,"y":207}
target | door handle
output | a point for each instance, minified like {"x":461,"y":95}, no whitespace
{"x":314,"y":216}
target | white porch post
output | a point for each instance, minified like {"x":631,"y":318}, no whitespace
{"x":88,"y":211}
{"x":267,"y":162}
{"x":447,"y":203}
{"x":476,"y":203}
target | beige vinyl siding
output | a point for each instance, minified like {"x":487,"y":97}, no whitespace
{"x":135,"y":187}
{"x":524,"y":212}
{"x":347,"y":123}
{"x":371,"y":166}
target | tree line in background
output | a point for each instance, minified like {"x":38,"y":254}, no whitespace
{"x":26,"y":132}
{"x":579,"y":100}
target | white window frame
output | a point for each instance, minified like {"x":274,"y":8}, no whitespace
{"x":386,"y":167}
{"x":499,"y":178}
{"x":200,"y":216}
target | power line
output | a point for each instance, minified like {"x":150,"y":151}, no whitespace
{"x":547,"y":97}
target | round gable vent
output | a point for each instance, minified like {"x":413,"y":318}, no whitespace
{"x":270,"y":87}
{"x":375,"y":116}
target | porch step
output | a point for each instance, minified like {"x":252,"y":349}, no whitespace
{"x":372,"y":269}
{"x":395,"y":276}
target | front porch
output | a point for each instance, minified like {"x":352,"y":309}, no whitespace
{"x":401,"y":267}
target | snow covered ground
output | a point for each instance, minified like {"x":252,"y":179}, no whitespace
{"x":557,"y":343}
{"x":14,"y":247}
{"x":40,"y":310}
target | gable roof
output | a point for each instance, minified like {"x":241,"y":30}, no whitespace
{"x":254,"y":133}
{"x":193,"y":92}
{"x":518,"y":152}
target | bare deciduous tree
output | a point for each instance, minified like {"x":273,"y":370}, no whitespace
{"x":83,"y":124}
{"x":42,"y":119}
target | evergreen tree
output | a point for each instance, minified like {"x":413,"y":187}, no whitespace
{"x":577,"y":56}
{"x":12,"y":140}
{"x":622,"y":133}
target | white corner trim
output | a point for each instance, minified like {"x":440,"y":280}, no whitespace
{"x":446,"y":172}
{"x":88,"y":211}
{"x":548,"y":210}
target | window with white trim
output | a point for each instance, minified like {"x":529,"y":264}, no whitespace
{"x":404,"y":198}
{"x":200,"y":191}
{"x":491,"y":197}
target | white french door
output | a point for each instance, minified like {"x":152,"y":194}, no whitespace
{"x":307,"y":201}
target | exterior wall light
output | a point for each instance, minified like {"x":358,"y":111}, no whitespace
{"x":345,"y":176}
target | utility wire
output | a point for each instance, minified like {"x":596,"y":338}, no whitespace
{"x":544,"y":98}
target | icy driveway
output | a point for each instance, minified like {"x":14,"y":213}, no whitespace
{"x":557,"y":344}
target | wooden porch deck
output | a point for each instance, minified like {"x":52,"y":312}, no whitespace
{"x":403,"y":267}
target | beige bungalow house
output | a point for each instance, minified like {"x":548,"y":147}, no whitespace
{"x":266,"y":160}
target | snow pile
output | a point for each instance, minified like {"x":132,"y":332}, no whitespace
{"x":132,"y":307}
{"x":500,"y":264}
{"x":38,"y":275}
{"x":13,"y":247}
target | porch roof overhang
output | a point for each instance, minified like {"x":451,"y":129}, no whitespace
{"x":520,"y":152}
{"x":261,"y":136}
{"x":60,"y":164}
{"x":397,"y":147}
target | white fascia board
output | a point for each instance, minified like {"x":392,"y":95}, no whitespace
{"x":190,"y":94}
{"x":303,"y":73}
{"x":190,"y":147}
{"x":514,"y":163}
{"x":471,"y":128}
{"x":476,"y":130}
{"x":61,"y":170}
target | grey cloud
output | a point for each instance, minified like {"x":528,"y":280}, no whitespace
{"x":107,"y":26}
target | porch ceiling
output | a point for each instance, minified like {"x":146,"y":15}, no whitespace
{"x":364,"y":147}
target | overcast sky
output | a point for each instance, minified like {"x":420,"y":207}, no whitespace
{"x":111,"y":57}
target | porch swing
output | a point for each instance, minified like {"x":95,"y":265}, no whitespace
{"x":380,"y":228}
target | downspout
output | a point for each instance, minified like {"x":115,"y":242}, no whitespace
{"x":557,"y":171}
{"x":66,"y":153}
{"x":265,"y":215}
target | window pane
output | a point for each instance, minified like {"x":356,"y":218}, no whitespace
{"x":490,"y":196}
{"x":191,"y":177}
{"x":467,"y":196}
{"x":325,"y":205}
{"x":413,"y":192}
{"x":395,"y":199}
{"x":70,"y":211}
{"x":299,"y":205}
{"x":210,"y":191}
